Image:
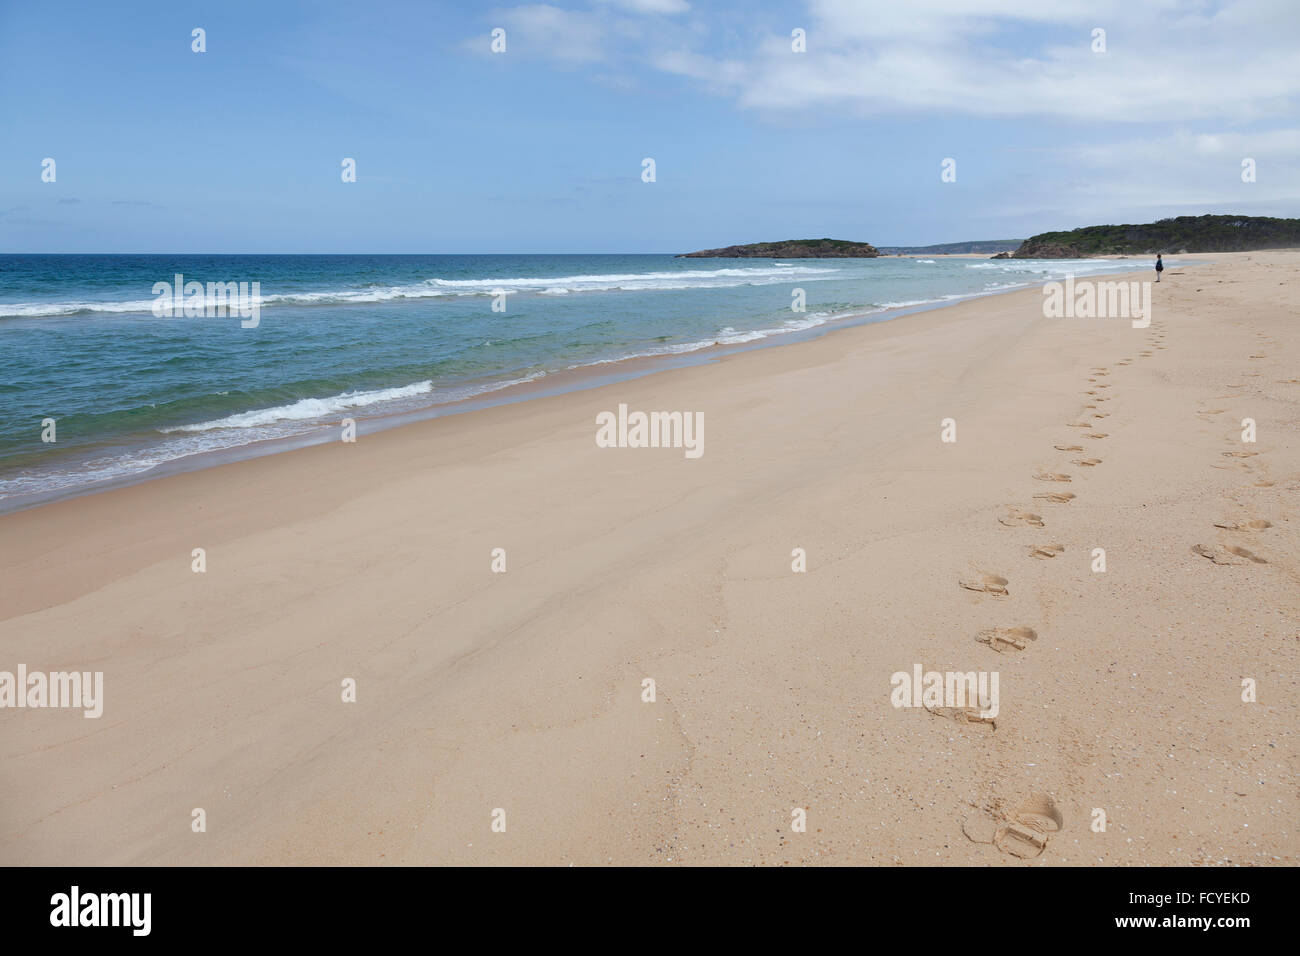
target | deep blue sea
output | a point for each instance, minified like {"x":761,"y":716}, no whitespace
{"x":367,"y":336}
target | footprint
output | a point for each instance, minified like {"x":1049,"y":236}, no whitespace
{"x":1057,"y":497}
{"x":964,"y":715}
{"x":1259,"y":524}
{"x":1097,"y":435}
{"x":1207,"y":552}
{"x":1031,"y":824}
{"x":1244,"y":553}
{"x":1007,"y":638}
{"x":1015,"y":517}
{"x":1078,"y":424}
{"x":1046,"y":551}
{"x":1086,"y":462}
{"x":1068,"y":447}
{"x":1240,"y":454}
{"x":1226,"y":554}
{"x":1022,"y":832}
{"x":988,"y":583}
{"x":1051,"y":476}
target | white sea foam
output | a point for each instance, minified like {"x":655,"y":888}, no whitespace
{"x":32,"y":309}
{"x":638,"y":281}
{"x":235,"y":431}
{"x":306,"y":408}
{"x":434,"y":288}
{"x":1055,"y":267}
{"x":729,"y":336}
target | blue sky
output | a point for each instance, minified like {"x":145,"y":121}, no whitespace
{"x":539,"y":149}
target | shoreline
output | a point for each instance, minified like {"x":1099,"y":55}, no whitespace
{"x":581,"y":378}
{"x":523,"y":690}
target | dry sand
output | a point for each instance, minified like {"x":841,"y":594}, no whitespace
{"x":523,"y":690}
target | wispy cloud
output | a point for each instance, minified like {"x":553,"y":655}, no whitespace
{"x":542,"y":31}
{"x":651,"y":6}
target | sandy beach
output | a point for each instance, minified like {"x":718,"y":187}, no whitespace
{"x":522,"y":691}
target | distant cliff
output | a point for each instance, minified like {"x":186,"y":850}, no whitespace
{"x":955,"y":248}
{"x":791,"y":249}
{"x":1180,"y":234}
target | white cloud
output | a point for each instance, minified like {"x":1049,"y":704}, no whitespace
{"x":1022,"y":58}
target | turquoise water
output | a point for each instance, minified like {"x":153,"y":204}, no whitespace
{"x":365,"y":336}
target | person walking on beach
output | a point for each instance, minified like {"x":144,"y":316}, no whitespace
{"x":1160,"y":267}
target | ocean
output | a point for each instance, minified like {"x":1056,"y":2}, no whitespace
{"x":371,"y":337}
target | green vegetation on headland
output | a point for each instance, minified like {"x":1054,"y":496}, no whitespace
{"x":791,"y":249}
{"x":1180,"y":234}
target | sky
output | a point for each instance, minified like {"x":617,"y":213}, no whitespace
{"x":540,"y":148}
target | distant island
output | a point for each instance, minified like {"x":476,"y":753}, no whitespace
{"x":791,"y":249}
{"x":1179,"y":234}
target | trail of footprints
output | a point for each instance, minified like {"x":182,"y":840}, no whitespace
{"x":1024,"y":830}
{"x":1004,"y":639}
